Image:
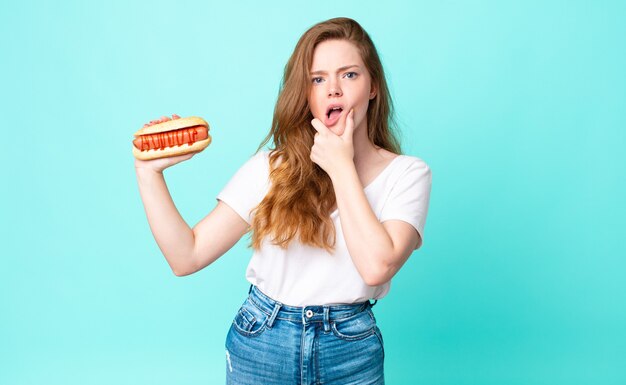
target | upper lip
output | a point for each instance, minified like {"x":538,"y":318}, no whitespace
{"x":330,"y":107}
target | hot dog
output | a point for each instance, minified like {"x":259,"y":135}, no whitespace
{"x":171,"y":138}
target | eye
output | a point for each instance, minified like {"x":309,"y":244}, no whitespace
{"x":351,"y":75}
{"x":317,"y":80}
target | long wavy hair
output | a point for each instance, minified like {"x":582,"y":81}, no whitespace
{"x":301,"y":194}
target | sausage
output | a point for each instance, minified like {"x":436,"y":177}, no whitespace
{"x":160,"y":140}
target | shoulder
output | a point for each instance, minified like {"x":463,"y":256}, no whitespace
{"x":406,"y":163}
{"x":415,"y":162}
{"x":407,"y":160}
{"x":254,"y":168}
{"x":411,"y":172}
{"x":258,"y":161}
{"x":261,"y":155}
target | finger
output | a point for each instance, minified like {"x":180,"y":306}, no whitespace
{"x":319,"y":126}
{"x":174,"y":116}
{"x":349,"y":130}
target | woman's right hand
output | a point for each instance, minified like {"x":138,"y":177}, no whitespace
{"x":158,"y":165}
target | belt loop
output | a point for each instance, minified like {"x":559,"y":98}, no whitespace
{"x":326,"y":318}
{"x":372,"y":304}
{"x":270,"y":321}
{"x":249,"y":290}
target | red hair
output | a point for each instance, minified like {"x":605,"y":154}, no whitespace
{"x":301,"y":195}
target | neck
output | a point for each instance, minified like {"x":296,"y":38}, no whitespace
{"x":364,"y":150}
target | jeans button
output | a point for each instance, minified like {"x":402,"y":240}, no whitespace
{"x":309,"y":313}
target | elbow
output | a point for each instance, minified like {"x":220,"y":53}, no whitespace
{"x":376,"y":277}
{"x":375,"y":281}
{"x":379,"y":273}
{"x":188,"y":267}
{"x":181,"y":272}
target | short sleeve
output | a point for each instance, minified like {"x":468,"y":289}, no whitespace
{"x":248,"y":186}
{"x":409,"y":197}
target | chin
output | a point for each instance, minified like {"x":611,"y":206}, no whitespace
{"x":337,"y":129}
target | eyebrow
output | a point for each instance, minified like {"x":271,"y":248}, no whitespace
{"x":339,"y":70}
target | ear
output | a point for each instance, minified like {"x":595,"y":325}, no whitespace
{"x":373,"y":92}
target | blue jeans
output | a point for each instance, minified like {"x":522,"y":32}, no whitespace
{"x":270,"y":343}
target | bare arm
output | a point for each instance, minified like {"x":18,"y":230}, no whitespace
{"x":217,"y":233}
{"x":171,"y":232}
{"x":185,"y":250}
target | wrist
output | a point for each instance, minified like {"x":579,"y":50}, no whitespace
{"x":342,"y":172}
{"x":147,"y":171}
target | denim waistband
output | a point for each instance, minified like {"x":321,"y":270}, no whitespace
{"x":306,"y":314}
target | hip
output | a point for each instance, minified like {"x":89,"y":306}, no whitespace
{"x":271,"y":343}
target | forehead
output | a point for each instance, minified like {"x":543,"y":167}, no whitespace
{"x":332,"y":54}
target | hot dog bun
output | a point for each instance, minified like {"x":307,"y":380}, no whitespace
{"x":161,"y":146}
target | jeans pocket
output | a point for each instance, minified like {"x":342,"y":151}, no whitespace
{"x":250,"y":321}
{"x":355,"y":327}
{"x":379,"y":334}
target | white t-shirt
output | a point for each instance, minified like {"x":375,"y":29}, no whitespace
{"x":302,"y":275}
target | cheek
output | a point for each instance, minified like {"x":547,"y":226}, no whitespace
{"x":361,"y":116}
{"x":365,"y":98}
{"x":315,"y":107}
{"x":361,"y":104}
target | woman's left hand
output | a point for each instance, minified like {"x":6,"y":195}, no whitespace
{"x":330,"y":151}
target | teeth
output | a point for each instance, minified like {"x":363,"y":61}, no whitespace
{"x":333,"y":109}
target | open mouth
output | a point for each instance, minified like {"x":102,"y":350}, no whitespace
{"x":333,"y":112}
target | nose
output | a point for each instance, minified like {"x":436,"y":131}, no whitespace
{"x":334,"y":90}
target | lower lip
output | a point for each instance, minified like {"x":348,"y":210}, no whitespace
{"x":332,"y":121}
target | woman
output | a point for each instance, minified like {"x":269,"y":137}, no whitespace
{"x":334,"y":211}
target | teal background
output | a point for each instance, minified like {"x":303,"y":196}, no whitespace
{"x":518,"y":108}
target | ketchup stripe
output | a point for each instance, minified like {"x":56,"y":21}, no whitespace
{"x":162,"y":140}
